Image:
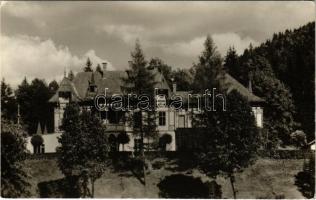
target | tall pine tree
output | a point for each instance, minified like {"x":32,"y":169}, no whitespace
{"x":231,"y":63}
{"x":141,"y":82}
{"x":208,"y":72}
{"x":88,"y":67}
{"x":227,"y":144}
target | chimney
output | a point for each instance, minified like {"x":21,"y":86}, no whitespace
{"x":174,"y":87}
{"x":250,"y":86}
{"x":104,"y":65}
{"x":130,"y":63}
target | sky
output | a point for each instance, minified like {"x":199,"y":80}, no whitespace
{"x":42,"y":39}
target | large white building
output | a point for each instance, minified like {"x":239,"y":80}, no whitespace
{"x":85,"y":86}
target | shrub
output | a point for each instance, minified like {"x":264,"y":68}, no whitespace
{"x":298,"y":138}
{"x":123,"y":139}
{"x":61,"y":188}
{"x":37,"y":140}
{"x":158,"y":164}
{"x":182,"y":186}
{"x":14,"y":178}
{"x":305,"y":180}
{"x":164,"y":140}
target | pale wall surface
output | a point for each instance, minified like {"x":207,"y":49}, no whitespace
{"x":50,"y":142}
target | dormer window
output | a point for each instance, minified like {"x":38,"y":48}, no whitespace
{"x":64,"y":94}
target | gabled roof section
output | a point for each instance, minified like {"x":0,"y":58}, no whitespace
{"x":110,"y":79}
{"x":232,"y":84}
{"x":66,"y":85}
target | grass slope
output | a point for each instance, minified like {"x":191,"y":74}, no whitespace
{"x":267,"y":178}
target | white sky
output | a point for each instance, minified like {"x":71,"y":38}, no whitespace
{"x":40,"y":39}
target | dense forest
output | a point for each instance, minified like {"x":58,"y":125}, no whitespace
{"x":288,"y":60}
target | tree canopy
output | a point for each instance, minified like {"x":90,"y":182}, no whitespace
{"x":88,"y":67}
{"x":8,"y":102}
{"x":208,"y":72}
{"x":84,"y":145}
{"x":230,"y":143}
{"x":34,"y":106}
{"x":291,"y":55}
{"x":14,"y":179}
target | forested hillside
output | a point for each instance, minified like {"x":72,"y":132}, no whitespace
{"x":287,"y":63}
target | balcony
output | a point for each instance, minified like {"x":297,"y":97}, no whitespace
{"x":115,"y":127}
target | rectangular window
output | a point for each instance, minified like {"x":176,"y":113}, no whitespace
{"x":162,"y":118}
{"x":137,"y":119}
{"x":137,"y":145}
{"x":181,"y":121}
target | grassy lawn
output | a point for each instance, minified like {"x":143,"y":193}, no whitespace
{"x":265,"y":179}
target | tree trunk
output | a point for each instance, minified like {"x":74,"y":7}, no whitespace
{"x":144,"y":161}
{"x":142,"y":147}
{"x":232,"y":180}
{"x":92,"y":188}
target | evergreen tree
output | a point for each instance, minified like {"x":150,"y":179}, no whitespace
{"x":246,"y":65}
{"x":183,"y":78}
{"x":8,"y":102}
{"x":83,"y":147}
{"x":88,"y":67}
{"x":140,"y":81}
{"x":71,"y":75}
{"x":14,"y":182}
{"x":292,"y":58}
{"x":208,"y":72}
{"x":53,"y":87}
{"x":24,"y":99}
{"x":163,"y":68}
{"x":34,"y":106}
{"x":98,"y":69}
{"x":229,"y":144}
{"x":279,"y":107}
{"x":231,"y":63}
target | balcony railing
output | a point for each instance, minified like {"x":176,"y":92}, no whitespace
{"x":115,"y":127}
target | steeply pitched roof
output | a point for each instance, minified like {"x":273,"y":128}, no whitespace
{"x":66,"y":85}
{"x":110,"y":79}
{"x":113,"y":81}
{"x":232,"y":84}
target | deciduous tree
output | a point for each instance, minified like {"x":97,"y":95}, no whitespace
{"x":279,"y":108}
{"x":34,"y":106}
{"x":14,"y":179}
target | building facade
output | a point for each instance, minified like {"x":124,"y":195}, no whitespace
{"x":86,"y":86}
